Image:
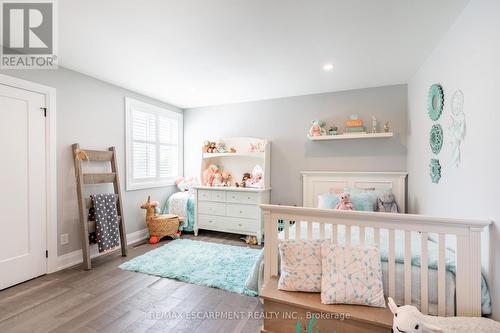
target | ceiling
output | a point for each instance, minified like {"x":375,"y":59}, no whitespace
{"x":205,"y":52}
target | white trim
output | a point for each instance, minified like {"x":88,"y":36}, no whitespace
{"x":75,"y":257}
{"x":51,"y":162}
{"x":130,"y":185}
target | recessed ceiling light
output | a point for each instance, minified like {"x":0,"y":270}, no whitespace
{"x":328,"y":67}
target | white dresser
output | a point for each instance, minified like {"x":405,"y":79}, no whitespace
{"x":230,"y":209}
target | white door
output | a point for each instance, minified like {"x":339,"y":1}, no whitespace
{"x":22,"y":186}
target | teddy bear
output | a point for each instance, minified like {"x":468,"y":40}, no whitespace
{"x":386,"y":203}
{"x":317,"y":128}
{"x":226,"y":179}
{"x":217,"y":181}
{"x":344,"y":202}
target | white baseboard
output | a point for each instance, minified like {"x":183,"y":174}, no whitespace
{"x":76,"y":257}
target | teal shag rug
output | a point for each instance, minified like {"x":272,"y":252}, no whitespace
{"x":208,"y":264}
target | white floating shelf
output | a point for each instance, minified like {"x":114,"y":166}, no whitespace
{"x":351,"y":136}
{"x":237,"y":154}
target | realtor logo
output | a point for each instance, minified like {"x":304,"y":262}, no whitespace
{"x":28,"y":35}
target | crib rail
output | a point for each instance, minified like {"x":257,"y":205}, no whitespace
{"x":466,"y":232}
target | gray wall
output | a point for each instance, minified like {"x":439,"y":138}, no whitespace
{"x":92,"y":113}
{"x":286,"y":121}
{"x":465,"y":59}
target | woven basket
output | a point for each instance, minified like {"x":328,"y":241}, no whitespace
{"x":163,"y":225}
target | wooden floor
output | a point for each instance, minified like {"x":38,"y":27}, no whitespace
{"x":108,"y":299}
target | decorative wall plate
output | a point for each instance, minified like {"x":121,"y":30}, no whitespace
{"x":435,"y":101}
{"x":435,"y":170}
{"x":436,"y":138}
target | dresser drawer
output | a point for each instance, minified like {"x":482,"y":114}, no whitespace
{"x":243,"y":197}
{"x":211,"y":208}
{"x":242,"y":225}
{"x":243,"y":211}
{"x":228,"y":224}
{"x":219,"y":196}
{"x":210,"y":222}
{"x":205,"y":195}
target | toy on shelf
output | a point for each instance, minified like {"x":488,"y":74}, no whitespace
{"x":257,"y":178}
{"x":345,"y":202}
{"x":226,"y":179}
{"x":256,"y":147}
{"x":244,"y":179}
{"x":334,"y":130}
{"x":159,"y":226}
{"x":386,"y":127}
{"x":221,"y":147}
{"x":209,"y":147}
{"x":354,"y":125}
{"x":317,"y":128}
{"x":209,"y":174}
{"x":374,"y":124}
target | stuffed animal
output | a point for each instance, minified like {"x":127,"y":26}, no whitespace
{"x":386,"y":203}
{"x":217,"y":181}
{"x":317,"y":128}
{"x":344,"y":202}
{"x":221,"y":147}
{"x":210,"y":147}
{"x":408,"y":319}
{"x":226,"y":179}
{"x":244,"y":179}
{"x":185,"y":184}
{"x":257,"y":178}
{"x":206,"y":146}
{"x":209,"y":174}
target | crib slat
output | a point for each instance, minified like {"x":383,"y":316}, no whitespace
{"x":347,"y":235}
{"x":309,"y":230}
{"x":362,"y":236}
{"x":391,"y":265}
{"x":297,"y":229}
{"x":407,"y":267}
{"x":376,"y":232}
{"x":442,"y":276}
{"x":321,"y":231}
{"x":334,"y":233}
{"x":424,"y":277}
{"x":287,"y":229}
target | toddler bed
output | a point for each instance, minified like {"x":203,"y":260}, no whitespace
{"x":432,"y":263}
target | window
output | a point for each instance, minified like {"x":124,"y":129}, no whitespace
{"x":154,"y":145}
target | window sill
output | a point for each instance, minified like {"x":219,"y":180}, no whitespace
{"x":144,"y":186}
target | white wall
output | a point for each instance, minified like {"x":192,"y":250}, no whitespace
{"x":92,"y":113}
{"x":467,"y":58}
{"x":286,"y":121}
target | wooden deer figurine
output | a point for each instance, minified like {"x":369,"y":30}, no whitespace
{"x":159,"y":225}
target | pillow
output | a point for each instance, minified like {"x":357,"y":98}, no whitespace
{"x":351,"y":275}
{"x":365,"y":200}
{"x":300,"y":265}
{"x":328,"y":201}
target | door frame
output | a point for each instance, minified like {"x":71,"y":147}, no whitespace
{"x":50,"y":160}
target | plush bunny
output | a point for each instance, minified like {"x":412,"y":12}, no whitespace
{"x":344,"y":202}
{"x":386,"y":203}
{"x":317,"y":128}
{"x":408,"y":319}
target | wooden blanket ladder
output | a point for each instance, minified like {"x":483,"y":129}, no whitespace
{"x":84,"y":204}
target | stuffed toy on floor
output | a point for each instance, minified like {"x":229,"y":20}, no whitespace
{"x":408,"y":319}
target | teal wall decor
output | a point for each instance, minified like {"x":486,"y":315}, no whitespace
{"x":435,"y":101}
{"x":436,"y":138}
{"x":435,"y":170}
